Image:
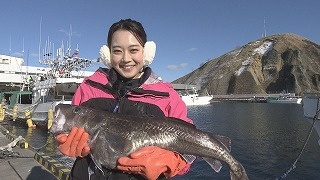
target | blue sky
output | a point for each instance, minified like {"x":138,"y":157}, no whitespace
{"x":187,"y":32}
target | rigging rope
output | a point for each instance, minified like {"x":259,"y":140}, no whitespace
{"x":39,"y":148}
{"x":304,"y":146}
{"x":6,"y":151}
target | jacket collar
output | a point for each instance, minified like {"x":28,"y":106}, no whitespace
{"x":119,"y":86}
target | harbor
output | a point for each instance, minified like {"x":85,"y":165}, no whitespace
{"x":19,"y":161}
{"x":28,"y":97}
{"x":247,"y":82}
{"x":276,"y":132}
{"x":283,"y":98}
{"x":31,"y":93}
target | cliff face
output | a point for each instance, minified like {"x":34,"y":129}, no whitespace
{"x":273,"y":64}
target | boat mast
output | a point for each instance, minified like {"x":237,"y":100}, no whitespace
{"x":10,"y":48}
{"x":26,"y":77}
{"x":70,"y":35}
{"x":40,"y":40}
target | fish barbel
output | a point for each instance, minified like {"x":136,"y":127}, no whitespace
{"x":114,"y":135}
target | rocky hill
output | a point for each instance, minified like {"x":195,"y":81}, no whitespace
{"x":273,"y":64}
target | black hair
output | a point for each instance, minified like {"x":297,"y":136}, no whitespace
{"x":130,"y":25}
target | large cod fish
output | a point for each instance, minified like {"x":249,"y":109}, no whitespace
{"x":115,"y":135}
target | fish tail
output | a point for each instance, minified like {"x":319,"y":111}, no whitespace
{"x":233,"y":176}
{"x":239,"y":173}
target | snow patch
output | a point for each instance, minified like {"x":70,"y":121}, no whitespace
{"x":261,"y":50}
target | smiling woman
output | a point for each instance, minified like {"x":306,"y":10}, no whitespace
{"x":128,"y":86}
{"x":149,"y":51}
{"x":126,"y":54}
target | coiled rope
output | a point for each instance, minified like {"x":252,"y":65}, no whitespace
{"x":6,"y":151}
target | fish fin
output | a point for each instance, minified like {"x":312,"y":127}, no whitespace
{"x":214,"y":163}
{"x":93,"y":137}
{"x":177,"y":120}
{"x":96,"y":162}
{"x":226,"y":141}
{"x":188,"y":158}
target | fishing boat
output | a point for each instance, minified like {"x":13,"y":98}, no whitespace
{"x":192,"y":98}
{"x":311,"y":110}
{"x":37,"y":92}
{"x":285,"y":99}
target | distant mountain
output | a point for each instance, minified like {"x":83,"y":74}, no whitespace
{"x":273,"y":64}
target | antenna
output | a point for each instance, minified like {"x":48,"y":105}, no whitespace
{"x":69,"y":42}
{"x":52,"y":50}
{"x":27,"y":64}
{"x":70,"y":35}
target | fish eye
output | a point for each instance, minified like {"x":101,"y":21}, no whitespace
{"x":76,"y":110}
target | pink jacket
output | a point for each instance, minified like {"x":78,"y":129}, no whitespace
{"x":171,"y":106}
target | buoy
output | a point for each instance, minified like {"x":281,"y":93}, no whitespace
{"x":50,"y":118}
{"x":27,"y":114}
{"x":15,"y":113}
{"x":30,"y":123}
{"x":2,"y":113}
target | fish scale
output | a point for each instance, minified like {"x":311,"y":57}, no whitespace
{"x":118,"y":135}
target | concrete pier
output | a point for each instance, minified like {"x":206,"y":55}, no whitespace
{"x":24,"y":163}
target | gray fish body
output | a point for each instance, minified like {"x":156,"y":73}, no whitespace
{"x":115,"y":135}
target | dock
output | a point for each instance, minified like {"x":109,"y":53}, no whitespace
{"x":253,"y":98}
{"x":23,"y":163}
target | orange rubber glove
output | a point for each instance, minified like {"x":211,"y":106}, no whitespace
{"x":74,"y":144}
{"x":151,"y":161}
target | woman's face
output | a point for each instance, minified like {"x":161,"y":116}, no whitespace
{"x":126,"y":54}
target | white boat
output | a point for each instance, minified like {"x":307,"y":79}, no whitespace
{"x":192,"y":97}
{"x":285,"y":99}
{"x":14,"y":74}
{"x":38,"y":90}
{"x":311,"y":110}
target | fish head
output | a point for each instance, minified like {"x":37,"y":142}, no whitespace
{"x":66,"y":116}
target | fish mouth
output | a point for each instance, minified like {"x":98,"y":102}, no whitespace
{"x":58,"y":123}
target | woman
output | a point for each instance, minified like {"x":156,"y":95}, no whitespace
{"x":128,"y":87}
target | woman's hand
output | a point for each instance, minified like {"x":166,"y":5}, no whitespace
{"x":152,"y":161}
{"x":74,"y":144}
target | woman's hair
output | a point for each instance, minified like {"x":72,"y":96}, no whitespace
{"x":134,"y":27}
